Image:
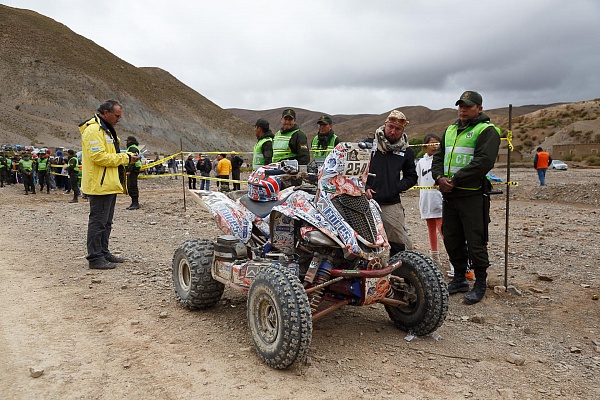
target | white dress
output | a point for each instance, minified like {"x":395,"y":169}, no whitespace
{"x":430,"y":200}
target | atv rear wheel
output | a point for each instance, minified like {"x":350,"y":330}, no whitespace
{"x":192,"y":279}
{"x":279,"y":317}
{"x":419,"y":283}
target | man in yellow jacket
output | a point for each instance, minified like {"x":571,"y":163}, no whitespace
{"x":102,"y":179}
{"x":223,"y":171}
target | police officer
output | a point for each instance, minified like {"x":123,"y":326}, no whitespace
{"x":133,"y":171}
{"x":326,"y":139}
{"x":44,"y":171}
{"x":3,"y":169}
{"x":290,"y":141}
{"x":473,"y":142}
{"x":73,"y":171}
{"x":26,"y":168}
{"x":263,"y":149}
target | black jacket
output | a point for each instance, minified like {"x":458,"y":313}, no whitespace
{"x":190,"y":166}
{"x":394,"y":173}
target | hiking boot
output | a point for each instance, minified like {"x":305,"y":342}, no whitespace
{"x":101,"y":263}
{"x":114,"y":259}
{"x":458,"y":284}
{"x":475,"y":295}
{"x":134,"y":207}
{"x":73,"y":201}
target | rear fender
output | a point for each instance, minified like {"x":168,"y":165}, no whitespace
{"x":231,"y":217}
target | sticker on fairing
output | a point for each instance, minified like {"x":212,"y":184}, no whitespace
{"x":95,"y":148}
{"x":109,"y":141}
{"x":94,"y":142}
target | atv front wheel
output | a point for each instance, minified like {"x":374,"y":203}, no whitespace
{"x":279,"y":317}
{"x":192,"y":279}
{"x":420,"y":284}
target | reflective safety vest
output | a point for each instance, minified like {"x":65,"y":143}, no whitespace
{"x":258,"y":159}
{"x":138,"y":163}
{"x":3,"y":163}
{"x":42,"y":164}
{"x":27,"y":165}
{"x":320,"y":154}
{"x":75,"y":167}
{"x":460,"y":148}
{"x":281,"y":146}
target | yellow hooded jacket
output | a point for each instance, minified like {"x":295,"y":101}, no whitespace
{"x":100,"y":159}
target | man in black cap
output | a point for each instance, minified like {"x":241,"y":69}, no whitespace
{"x":263,"y":149}
{"x":133,"y":171}
{"x":326,"y":139}
{"x":73,"y":172}
{"x":290,"y":141}
{"x":473,"y":142}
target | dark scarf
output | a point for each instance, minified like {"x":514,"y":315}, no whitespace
{"x":323,"y":140}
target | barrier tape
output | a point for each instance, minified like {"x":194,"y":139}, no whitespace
{"x":493,"y":184}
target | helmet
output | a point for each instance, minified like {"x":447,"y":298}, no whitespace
{"x":263,"y":187}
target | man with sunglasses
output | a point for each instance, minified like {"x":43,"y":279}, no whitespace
{"x":102,"y":179}
{"x":468,"y":150}
{"x":394,"y":172}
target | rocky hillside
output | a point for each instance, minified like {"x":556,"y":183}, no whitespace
{"x":51,"y":79}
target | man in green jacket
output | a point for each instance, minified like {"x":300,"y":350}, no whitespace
{"x":133,"y":171}
{"x":326,"y":139}
{"x":263,"y":149}
{"x":73,"y":171}
{"x":102,"y":179}
{"x":468,"y":150}
{"x":290,"y":141}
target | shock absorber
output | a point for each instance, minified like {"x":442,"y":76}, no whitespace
{"x":323,"y":274}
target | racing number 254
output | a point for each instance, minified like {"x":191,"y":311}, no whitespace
{"x":354,"y":168}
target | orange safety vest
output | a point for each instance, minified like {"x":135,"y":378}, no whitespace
{"x":542,"y":160}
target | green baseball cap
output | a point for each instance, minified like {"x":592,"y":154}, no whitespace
{"x":288,"y":112}
{"x":325,"y":119}
{"x":470,"y":98}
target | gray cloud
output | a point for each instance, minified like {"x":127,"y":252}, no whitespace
{"x":353,"y":56}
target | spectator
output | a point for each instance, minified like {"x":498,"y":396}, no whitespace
{"x":190,"y":170}
{"x":223,"y":169}
{"x":204,"y":166}
{"x":290,"y":141}
{"x":263,"y":149}
{"x":236,"y":165}
{"x":103,"y":178}
{"x":325,"y":140}
{"x":541,"y":162}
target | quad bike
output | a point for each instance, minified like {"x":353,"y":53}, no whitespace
{"x":302,"y":252}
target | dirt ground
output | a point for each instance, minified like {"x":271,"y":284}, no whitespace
{"x":121,"y":334}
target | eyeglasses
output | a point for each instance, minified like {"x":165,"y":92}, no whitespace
{"x":117,"y":116}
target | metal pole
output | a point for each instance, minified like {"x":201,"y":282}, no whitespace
{"x":182,"y":175}
{"x":507,"y":198}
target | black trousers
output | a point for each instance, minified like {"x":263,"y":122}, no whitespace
{"x":463,"y":220}
{"x":73,"y":180}
{"x":28,"y":182}
{"x":102,"y":210}
{"x":44,"y":178}
{"x":235,"y":175}
{"x":192,"y":183}
{"x":132,"y":184}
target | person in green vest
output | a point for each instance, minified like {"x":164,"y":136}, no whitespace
{"x":263,"y":149}
{"x":3,"y":169}
{"x":73,"y":171}
{"x":26,"y":168}
{"x":44,"y":171}
{"x":290,"y":141}
{"x":133,"y":171}
{"x":326,"y":139}
{"x":468,"y":150}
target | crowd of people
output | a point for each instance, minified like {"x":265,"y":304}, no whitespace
{"x":52,"y":172}
{"x":454,"y":202}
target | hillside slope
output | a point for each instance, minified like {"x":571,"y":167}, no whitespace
{"x":51,"y":79}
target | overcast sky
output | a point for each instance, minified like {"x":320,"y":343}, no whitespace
{"x":352,"y":56}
